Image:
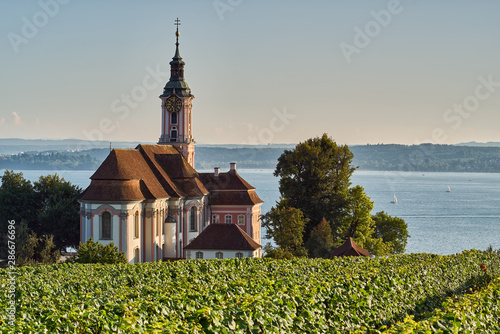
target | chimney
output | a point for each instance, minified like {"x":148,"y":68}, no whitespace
{"x":216,"y":171}
{"x":232,"y":167}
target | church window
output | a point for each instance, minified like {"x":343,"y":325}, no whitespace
{"x":136,"y":224}
{"x":192,"y":220}
{"x":239,"y":255}
{"x":157,"y":222}
{"x":229,"y":219}
{"x":219,"y":255}
{"x":215,"y":219}
{"x":162,"y":219}
{"x":173,"y":118}
{"x":136,"y":255}
{"x":106,"y":225}
{"x":241,"y":220}
{"x":173,"y":135}
{"x":199,"y":255}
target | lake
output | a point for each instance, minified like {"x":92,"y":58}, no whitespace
{"x":439,"y":221}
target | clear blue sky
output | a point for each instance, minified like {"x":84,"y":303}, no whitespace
{"x":361,"y":71}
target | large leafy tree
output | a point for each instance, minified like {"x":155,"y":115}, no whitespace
{"x":391,"y":229}
{"x":285,"y":225}
{"x":320,"y":242}
{"x":48,"y":210}
{"x":315,"y":179}
{"x":58,"y":211}
{"x":17,"y":200}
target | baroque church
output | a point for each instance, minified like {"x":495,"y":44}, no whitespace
{"x":153,"y":205}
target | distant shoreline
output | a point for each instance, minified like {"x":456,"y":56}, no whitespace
{"x":381,"y":157}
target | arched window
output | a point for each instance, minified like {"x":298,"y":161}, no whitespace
{"x":219,"y":255}
{"x":173,"y":135}
{"x":193,"y":220}
{"x":239,"y":255}
{"x":106,"y":225}
{"x":157,"y":217}
{"x":229,"y":219}
{"x":136,"y":224}
{"x":136,"y":255}
{"x":173,"y":118}
{"x":199,"y":255}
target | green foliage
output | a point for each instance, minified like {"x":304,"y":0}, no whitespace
{"x":320,"y":243}
{"x":315,"y":179}
{"x":58,"y":213}
{"x":33,"y":250}
{"x":48,"y":253}
{"x":473,"y":313}
{"x":27,"y":245}
{"x":17,"y":203}
{"x":490,"y":249}
{"x":94,"y":252}
{"x":49,"y":207}
{"x":286,"y":226}
{"x":391,"y":229}
{"x":342,"y":295}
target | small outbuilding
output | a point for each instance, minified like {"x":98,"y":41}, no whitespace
{"x":350,"y":248}
{"x":222,"y":241}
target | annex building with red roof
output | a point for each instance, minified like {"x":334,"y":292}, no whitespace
{"x":151,"y":202}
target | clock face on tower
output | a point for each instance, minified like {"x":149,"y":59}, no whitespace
{"x":173,"y":104}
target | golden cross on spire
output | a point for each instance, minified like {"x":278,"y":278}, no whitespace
{"x":177,"y":23}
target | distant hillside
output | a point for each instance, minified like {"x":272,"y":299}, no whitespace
{"x":427,"y":158}
{"x":476,"y":144}
{"x":17,"y":145}
{"x":424,"y":157}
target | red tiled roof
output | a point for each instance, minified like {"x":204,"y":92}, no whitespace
{"x":123,"y":164}
{"x":223,"y":237}
{"x":234,"y":198}
{"x":115,"y":190}
{"x":163,"y":173}
{"x":350,"y":248}
{"x":148,"y":152}
{"x":171,"y":166}
{"x":225,"y":181}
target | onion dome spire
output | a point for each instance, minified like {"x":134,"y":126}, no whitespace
{"x":176,"y":84}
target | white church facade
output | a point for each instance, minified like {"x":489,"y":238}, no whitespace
{"x":151,"y":202}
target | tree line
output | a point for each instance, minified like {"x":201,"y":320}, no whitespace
{"x":50,"y":161}
{"x":383,"y":157}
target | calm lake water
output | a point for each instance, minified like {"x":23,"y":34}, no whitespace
{"x":439,"y":221}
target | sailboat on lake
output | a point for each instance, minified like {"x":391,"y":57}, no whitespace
{"x":394,"y":200}
{"x":449,"y":190}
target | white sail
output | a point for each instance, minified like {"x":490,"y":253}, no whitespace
{"x":449,"y":190}
{"x":395,"y":200}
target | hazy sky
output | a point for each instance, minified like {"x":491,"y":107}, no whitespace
{"x":261,"y":71}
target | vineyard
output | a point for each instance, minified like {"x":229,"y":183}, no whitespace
{"x":399,"y":294}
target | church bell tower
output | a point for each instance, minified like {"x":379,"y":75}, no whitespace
{"x":176,"y":125}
